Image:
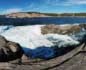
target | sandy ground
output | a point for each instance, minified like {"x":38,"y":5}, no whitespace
{"x":73,"y":60}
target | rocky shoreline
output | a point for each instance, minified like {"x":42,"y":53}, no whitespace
{"x":63,"y":29}
{"x":73,"y":60}
{"x":12,"y":57}
{"x":9,"y":50}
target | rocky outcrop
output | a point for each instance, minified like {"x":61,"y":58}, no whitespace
{"x":63,"y":29}
{"x":25,"y":15}
{"x":36,"y":45}
{"x":83,"y":26}
{"x":9,"y":50}
{"x":73,"y":60}
{"x":68,"y":59}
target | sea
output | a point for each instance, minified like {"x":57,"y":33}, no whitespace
{"x":42,"y":20}
{"x":59,"y":20}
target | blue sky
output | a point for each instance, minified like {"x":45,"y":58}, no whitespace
{"x":50,"y":6}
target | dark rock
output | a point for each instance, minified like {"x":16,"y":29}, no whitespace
{"x":73,"y":60}
{"x":81,"y":36}
{"x":83,"y":26}
{"x":15,"y":51}
{"x":9,"y":50}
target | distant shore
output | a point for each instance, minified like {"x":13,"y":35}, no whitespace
{"x":38,"y":14}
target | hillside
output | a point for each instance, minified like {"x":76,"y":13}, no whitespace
{"x":25,"y":15}
{"x":38,"y":14}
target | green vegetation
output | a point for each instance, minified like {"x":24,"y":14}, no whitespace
{"x":66,"y":14}
{"x":62,"y":14}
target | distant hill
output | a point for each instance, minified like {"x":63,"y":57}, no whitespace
{"x":25,"y":18}
{"x":26,"y":15}
{"x":38,"y":14}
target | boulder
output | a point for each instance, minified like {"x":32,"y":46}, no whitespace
{"x":81,"y":36}
{"x":9,"y":50}
{"x":83,"y":26}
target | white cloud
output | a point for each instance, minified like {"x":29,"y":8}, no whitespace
{"x":32,"y":7}
{"x":10,"y":10}
{"x":77,"y":2}
{"x":65,"y":2}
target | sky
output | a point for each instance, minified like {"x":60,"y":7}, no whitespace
{"x":45,"y":6}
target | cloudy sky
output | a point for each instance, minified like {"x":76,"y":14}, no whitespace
{"x":50,"y":6}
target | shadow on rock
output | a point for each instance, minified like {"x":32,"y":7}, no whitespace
{"x":47,"y":53}
{"x":9,"y":50}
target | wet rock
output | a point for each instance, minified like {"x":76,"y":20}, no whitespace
{"x":81,"y":37}
{"x":83,"y":26}
{"x":9,"y":50}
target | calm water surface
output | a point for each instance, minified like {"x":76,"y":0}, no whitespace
{"x":43,"y":20}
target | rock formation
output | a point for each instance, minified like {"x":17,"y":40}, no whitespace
{"x":9,"y":50}
{"x":37,"y":45}
{"x":63,"y":29}
{"x":25,"y":15}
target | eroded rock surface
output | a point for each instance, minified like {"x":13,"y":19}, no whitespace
{"x":73,"y":60}
{"x":9,"y":50}
{"x":63,"y":29}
